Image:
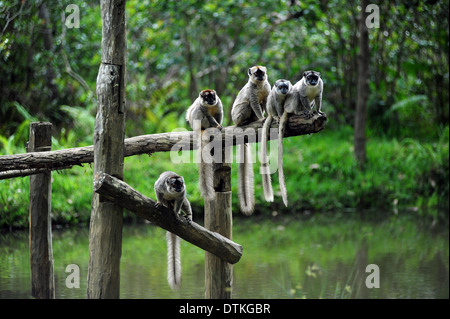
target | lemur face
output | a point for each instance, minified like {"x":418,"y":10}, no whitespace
{"x":208,"y":97}
{"x":283,"y":86}
{"x":258,"y":73}
{"x":175,"y":184}
{"x":311,"y":77}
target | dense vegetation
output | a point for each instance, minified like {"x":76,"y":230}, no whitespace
{"x":177,"y":48}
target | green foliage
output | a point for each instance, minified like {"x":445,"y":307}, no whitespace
{"x":321,"y":175}
{"x":177,"y":48}
{"x":83,"y":123}
{"x":411,"y":116}
{"x":35,"y":72}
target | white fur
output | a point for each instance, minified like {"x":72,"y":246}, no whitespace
{"x":265,"y":171}
{"x":246,"y":191}
{"x":173,"y":261}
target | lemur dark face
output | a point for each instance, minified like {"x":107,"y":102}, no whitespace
{"x":208,"y":96}
{"x":311,"y":77}
{"x":258,"y":72}
{"x":283,"y":86}
{"x":175,"y":183}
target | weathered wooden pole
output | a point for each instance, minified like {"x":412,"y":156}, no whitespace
{"x":41,"y":252}
{"x":218,"y":218}
{"x":105,"y":238}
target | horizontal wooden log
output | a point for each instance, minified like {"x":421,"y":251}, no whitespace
{"x":27,"y":172}
{"x":117,"y":191}
{"x":147,"y":144}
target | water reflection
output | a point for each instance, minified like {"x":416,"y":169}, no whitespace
{"x":283,"y":258}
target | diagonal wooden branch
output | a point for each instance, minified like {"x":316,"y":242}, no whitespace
{"x":117,"y":191}
{"x":147,"y":144}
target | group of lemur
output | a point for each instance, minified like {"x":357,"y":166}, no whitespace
{"x":255,"y":98}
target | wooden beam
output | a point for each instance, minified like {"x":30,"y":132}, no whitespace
{"x":162,"y":142}
{"x":27,"y":172}
{"x":119,"y":192}
{"x":219,"y":218}
{"x":41,"y":252}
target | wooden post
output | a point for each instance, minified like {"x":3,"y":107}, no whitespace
{"x":105,"y":237}
{"x":218,"y":218}
{"x":41,"y":252}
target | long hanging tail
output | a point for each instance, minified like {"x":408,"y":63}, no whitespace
{"x":173,"y":261}
{"x":205,"y":169}
{"x":281,"y":129}
{"x":246,"y":192}
{"x":264,"y":170}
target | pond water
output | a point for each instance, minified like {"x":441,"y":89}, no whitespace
{"x":318,"y":257}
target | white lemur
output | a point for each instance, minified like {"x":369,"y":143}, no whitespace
{"x":305,"y":94}
{"x":249,"y":106}
{"x":170,"y":192}
{"x":275,"y":109}
{"x":205,"y":112}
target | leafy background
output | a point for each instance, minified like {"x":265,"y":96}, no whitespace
{"x":177,"y":48}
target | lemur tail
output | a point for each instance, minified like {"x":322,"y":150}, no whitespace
{"x":173,"y":261}
{"x":205,"y":170}
{"x":264,"y":169}
{"x":246,"y":192}
{"x":281,"y":180}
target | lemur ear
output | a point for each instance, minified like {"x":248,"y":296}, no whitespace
{"x":250,"y":71}
{"x":304,"y":74}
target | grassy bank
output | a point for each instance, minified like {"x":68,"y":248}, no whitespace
{"x":321,"y":175}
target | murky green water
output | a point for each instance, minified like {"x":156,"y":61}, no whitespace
{"x":322,"y":257}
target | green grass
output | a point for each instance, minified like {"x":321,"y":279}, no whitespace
{"x":321,"y":175}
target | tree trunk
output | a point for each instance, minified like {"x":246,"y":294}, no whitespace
{"x":48,"y":46}
{"x":105,"y":237}
{"x":362,"y":88}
